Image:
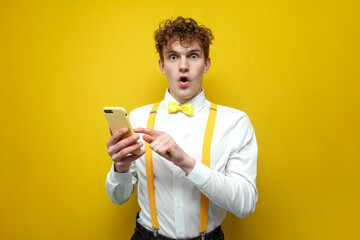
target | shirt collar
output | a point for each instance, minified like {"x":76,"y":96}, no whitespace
{"x":198,"y":102}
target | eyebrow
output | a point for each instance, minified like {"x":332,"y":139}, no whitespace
{"x":195,"y":50}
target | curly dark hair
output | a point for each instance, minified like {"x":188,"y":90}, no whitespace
{"x":184,"y":30}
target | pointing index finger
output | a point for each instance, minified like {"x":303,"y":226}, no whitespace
{"x":148,"y":131}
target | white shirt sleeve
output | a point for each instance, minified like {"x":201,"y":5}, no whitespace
{"x":235,"y":190}
{"x":120,"y":186}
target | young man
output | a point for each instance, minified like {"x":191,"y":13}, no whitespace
{"x":201,"y":160}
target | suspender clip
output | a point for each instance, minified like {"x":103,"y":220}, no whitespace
{"x":155,"y":232}
{"x":202,"y":234}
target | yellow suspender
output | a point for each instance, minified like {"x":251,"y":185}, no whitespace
{"x":149,"y":170}
{"x":204,"y":202}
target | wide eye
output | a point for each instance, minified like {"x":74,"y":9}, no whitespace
{"x":172,"y":57}
{"x":193,"y":56}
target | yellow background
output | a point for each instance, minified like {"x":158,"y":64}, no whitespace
{"x":292,"y":66}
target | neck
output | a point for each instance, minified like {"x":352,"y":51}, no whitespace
{"x":182,"y":101}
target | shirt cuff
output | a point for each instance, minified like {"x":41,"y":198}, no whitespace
{"x":119,"y":177}
{"x":199,"y":175}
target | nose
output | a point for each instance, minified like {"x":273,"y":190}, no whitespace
{"x":184,"y":65}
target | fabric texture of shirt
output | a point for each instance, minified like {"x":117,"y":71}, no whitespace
{"x":229,"y":183}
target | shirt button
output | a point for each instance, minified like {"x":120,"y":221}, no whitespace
{"x":178,"y":205}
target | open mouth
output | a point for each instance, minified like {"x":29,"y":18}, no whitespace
{"x":183,"y":79}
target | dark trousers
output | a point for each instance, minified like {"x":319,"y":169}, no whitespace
{"x":142,"y":233}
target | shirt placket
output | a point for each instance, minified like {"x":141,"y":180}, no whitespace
{"x":177,"y":183}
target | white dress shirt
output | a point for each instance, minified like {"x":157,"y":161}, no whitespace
{"x":229,"y":183}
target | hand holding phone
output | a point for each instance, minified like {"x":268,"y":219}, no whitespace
{"x":117,"y":119}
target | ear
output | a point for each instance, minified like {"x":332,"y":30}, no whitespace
{"x":207,"y":65}
{"x":161,"y":66}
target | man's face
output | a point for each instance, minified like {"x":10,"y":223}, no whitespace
{"x":184,"y":68}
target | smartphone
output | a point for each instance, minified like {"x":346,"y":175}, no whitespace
{"x":117,"y":118}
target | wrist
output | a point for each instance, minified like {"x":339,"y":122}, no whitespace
{"x":120,"y":169}
{"x":188,"y":165}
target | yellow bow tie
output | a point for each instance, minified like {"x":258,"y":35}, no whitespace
{"x":186,"y":108}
